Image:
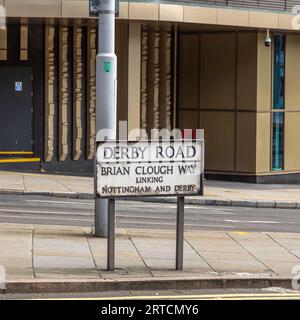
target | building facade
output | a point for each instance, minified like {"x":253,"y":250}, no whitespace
{"x":201,"y":64}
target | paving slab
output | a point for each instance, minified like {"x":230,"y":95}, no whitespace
{"x":12,"y":181}
{"x":224,"y":254}
{"x":45,"y":184}
{"x":267,"y":251}
{"x":16,"y":252}
{"x":127,"y":257}
{"x":228,"y":265}
{"x":44,"y":257}
{"x":62,"y":253}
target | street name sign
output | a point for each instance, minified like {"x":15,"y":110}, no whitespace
{"x":148,"y":168}
{"x":140,"y":169}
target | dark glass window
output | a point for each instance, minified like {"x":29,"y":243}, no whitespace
{"x":278,"y":141}
{"x":278,"y":103}
{"x":279,"y":72}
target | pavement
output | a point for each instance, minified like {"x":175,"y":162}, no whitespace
{"x":42,"y":258}
{"x":39,"y":259}
{"x":216,"y":193}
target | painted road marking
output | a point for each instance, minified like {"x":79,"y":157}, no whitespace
{"x":45,"y":212}
{"x":241,"y":233}
{"x":124,"y":222}
{"x":60,"y":202}
{"x":129,"y":216}
{"x":169,"y":205}
{"x":48,"y":218}
{"x":262,"y":222}
{"x":246,"y":296}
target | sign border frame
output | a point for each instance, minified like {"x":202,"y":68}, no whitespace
{"x":128,"y":197}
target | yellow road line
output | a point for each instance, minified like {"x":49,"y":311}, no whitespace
{"x":241,"y":233}
{"x":18,"y":160}
{"x":16,"y":153}
{"x":246,"y":296}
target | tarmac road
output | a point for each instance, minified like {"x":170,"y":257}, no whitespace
{"x":77,"y":212}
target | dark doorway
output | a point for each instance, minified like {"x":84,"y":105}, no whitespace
{"x":16,"y":109}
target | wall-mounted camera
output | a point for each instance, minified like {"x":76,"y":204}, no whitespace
{"x":268,"y":40}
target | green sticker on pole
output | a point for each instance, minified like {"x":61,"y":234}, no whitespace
{"x":107,"y":66}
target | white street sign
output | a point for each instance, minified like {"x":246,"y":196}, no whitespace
{"x":126,"y":169}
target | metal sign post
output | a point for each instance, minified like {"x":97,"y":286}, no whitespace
{"x":148,"y":168}
{"x":180,"y":233}
{"x":111,"y":235}
{"x":106,"y":91}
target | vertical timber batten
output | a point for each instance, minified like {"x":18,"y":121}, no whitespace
{"x":144,"y":90}
{"x":156,"y":79}
{"x":63,"y":93}
{"x":153,"y":80}
{"x":134,"y":77}
{"x":49,"y":92}
{"x":24,"y":39}
{"x":91,"y":91}
{"x":165,"y":94}
{"x":77,"y":92}
{"x":3,"y":44}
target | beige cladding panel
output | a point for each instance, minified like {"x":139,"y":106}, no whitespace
{"x":291,"y":141}
{"x":170,"y":13}
{"x":33,"y":8}
{"x":75,"y":8}
{"x":199,"y":15}
{"x":246,"y":142}
{"x":219,"y":136}
{"x":263,"y":142}
{"x":123,"y":10}
{"x":188,"y":69}
{"x":155,"y":12}
{"x":285,"y":21}
{"x":263,"y":19}
{"x":264,"y":75}
{"x":292,"y":75}
{"x":233,"y":17}
{"x":247,"y":71}
{"x":217,"y":77}
{"x":143,"y":11}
